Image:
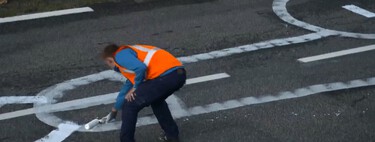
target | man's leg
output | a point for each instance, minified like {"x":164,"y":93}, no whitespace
{"x":153,"y":92}
{"x":129,"y":120}
{"x":165,"y":119}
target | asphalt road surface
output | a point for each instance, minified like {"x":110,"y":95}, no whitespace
{"x":37,"y":54}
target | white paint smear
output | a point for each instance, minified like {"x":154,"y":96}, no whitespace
{"x":360,"y":11}
{"x":62,"y":132}
{"x":337,"y":54}
{"x":46,"y":14}
{"x":90,"y":101}
{"x":22,"y":100}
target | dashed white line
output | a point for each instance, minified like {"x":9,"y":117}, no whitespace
{"x":246,"y":101}
{"x":207,"y":78}
{"x":360,"y":11}
{"x":254,"y":47}
{"x":45,"y":14}
{"x":337,"y":54}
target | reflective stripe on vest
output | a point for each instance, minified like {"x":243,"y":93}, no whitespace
{"x":128,"y":71}
{"x":150,"y":53}
{"x":156,"y":60}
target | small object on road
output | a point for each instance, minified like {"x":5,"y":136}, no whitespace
{"x":92,"y":124}
{"x":96,"y":122}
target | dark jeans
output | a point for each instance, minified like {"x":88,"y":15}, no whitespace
{"x":153,"y":92}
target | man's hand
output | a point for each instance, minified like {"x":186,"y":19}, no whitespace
{"x":111,"y":116}
{"x":131,"y":95}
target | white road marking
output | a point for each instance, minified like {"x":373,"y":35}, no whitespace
{"x":358,"y":10}
{"x":230,"y":104}
{"x":22,"y":100}
{"x":207,"y":78}
{"x":337,"y":54}
{"x":63,"y":131}
{"x":279,"y":6}
{"x":253,"y":47}
{"x":91,"y":101}
{"x":246,"y":101}
{"x":187,"y":59}
{"x":280,"y":9}
{"x":177,"y":106}
{"x":45,"y":14}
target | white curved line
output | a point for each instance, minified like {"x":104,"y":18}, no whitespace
{"x":43,"y":110}
{"x":279,"y":7}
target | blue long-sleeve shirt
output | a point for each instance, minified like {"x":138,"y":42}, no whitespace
{"x":128,"y":58}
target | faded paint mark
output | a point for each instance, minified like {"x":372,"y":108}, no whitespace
{"x":22,"y":100}
{"x":62,"y":132}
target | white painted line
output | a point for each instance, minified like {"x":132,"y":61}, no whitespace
{"x":360,"y":11}
{"x":93,"y":101}
{"x":62,"y":132}
{"x":253,"y":47}
{"x":177,"y":106}
{"x":246,"y":101}
{"x":207,"y":78}
{"x":337,"y":54}
{"x":17,"y":113}
{"x":22,"y":100}
{"x":45,"y":14}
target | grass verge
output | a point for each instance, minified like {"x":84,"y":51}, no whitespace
{"x":20,"y":7}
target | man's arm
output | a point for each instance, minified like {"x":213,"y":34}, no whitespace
{"x":121,"y":96}
{"x":128,"y":59}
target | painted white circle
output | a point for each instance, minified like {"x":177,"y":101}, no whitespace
{"x":279,"y":7}
{"x":56,"y":92}
{"x":44,"y":110}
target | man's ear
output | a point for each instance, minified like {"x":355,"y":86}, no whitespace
{"x":111,"y":59}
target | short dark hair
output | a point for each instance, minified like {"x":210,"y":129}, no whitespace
{"x":109,"y":51}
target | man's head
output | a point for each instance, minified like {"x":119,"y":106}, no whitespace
{"x":108,"y":54}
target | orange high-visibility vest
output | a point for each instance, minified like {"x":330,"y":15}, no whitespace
{"x":156,"y":60}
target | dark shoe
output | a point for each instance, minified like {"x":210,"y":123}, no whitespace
{"x":164,"y":138}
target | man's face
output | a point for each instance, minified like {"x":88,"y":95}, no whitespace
{"x":110,"y":62}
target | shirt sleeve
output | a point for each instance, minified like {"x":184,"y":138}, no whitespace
{"x":127,"y":58}
{"x":121,"y":96}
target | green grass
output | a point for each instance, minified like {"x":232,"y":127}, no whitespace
{"x":19,"y":7}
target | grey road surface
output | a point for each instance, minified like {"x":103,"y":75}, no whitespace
{"x":37,"y":54}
